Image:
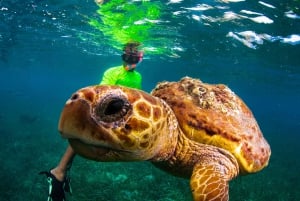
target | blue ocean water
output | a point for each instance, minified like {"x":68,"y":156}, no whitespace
{"x":48,"y":50}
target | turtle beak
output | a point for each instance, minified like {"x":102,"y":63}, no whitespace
{"x":77,"y":125}
{"x":76,"y":119}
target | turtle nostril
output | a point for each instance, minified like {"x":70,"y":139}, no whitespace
{"x":74,"y":96}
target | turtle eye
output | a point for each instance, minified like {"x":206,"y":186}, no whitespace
{"x":112,"y":109}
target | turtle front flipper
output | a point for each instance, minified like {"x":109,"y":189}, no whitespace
{"x":209,"y":181}
{"x":207,"y":184}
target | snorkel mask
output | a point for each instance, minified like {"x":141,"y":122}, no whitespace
{"x":132,"y":66}
{"x":131,"y":56}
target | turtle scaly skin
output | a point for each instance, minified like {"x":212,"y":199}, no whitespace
{"x":187,"y":128}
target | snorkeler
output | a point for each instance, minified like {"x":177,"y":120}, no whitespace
{"x":124,"y":75}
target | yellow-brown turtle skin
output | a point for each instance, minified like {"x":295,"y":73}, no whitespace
{"x":113,"y":123}
{"x":110,"y":123}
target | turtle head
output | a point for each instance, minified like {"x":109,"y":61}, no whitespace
{"x":113,"y":123}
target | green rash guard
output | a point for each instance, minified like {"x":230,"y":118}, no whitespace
{"x":119,"y":76}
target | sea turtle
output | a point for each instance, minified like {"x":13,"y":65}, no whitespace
{"x":188,"y":128}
